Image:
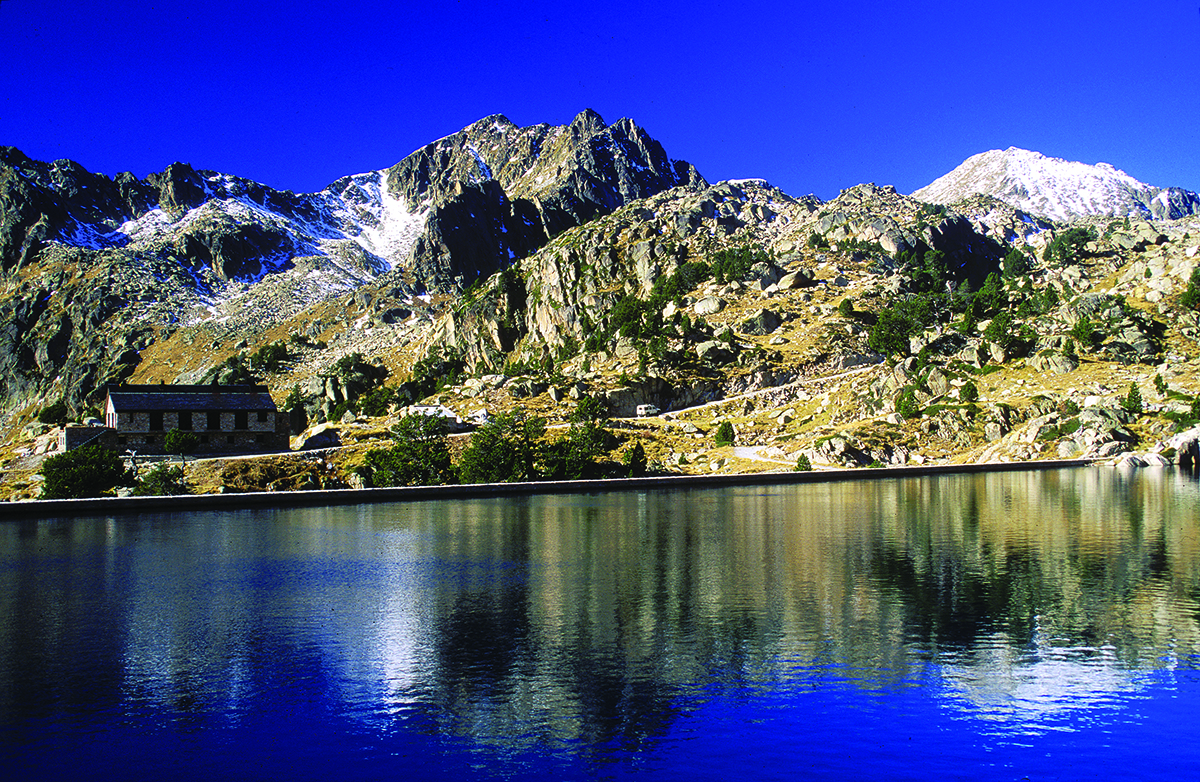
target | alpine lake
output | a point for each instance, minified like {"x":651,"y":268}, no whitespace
{"x":1040,"y":625}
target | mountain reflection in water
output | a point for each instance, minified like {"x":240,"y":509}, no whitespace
{"x":898,"y":628}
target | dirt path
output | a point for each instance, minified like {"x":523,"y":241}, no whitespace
{"x":750,"y":453}
{"x":770,"y":389}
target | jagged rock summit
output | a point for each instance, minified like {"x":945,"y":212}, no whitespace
{"x":1058,"y":189}
{"x":454,"y":210}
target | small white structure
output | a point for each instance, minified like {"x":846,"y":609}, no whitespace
{"x":645,"y":411}
{"x":453,"y":422}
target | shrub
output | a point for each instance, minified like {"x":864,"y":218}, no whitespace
{"x":1132,"y":402}
{"x":1002,"y":331}
{"x":1160,"y":385}
{"x":294,"y":398}
{"x":907,"y":404}
{"x":346,"y":365}
{"x":589,"y":409}
{"x":516,"y":367}
{"x":968,"y":322}
{"x":691,"y":274}
{"x":503,"y":450}
{"x":969,"y":392}
{"x":890,"y":333}
{"x":1016,"y":264}
{"x":577,"y":455}
{"x":1190,"y":298}
{"x":725,"y":434}
{"x":625,"y":318}
{"x":269,"y":357}
{"x":1084,"y":332}
{"x":180,"y":442}
{"x":87,"y":471}
{"x":991,"y":296}
{"x":419,"y":456}
{"x":1067,"y":246}
{"x":442,"y":367}
{"x":161,"y":480}
{"x":803,"y":464}
{"x":734,"y":264}
{"x":376,"y":403}
{"x":634,"y":459}
{"x":846,"y":308}
{"x":54,"y":414}
{"x":233,"y":372}
{"x":340,"y":409}
{"x":595,"y":341}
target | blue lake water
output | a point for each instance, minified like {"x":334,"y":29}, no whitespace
{"x":1033,"y":625}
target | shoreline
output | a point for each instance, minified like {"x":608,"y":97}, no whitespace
{"x":91,"y":506}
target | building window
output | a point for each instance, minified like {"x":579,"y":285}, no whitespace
{"x":149,"y":441}
{"x":241,"y":420}
{"x":260,"y":438}
{"x":121,"y":440}
{"x":185,"y":420}
{"x":214,"y":419}
{"x":229,"y":439}
{"x":262,"y":416}
{"x":156,"y":423}
{"x":204,"y":439}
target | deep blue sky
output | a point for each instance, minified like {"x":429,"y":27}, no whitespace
{"x":812,"y":96}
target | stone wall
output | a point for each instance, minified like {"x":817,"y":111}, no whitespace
{"x":134,"y":433}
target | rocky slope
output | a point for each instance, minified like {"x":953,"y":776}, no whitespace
{"x":1056,"y":189}
{"x":506,"y":267}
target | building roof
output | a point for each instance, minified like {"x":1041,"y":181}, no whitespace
{"x":196,"y":398}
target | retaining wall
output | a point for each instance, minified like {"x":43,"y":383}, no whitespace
{"x":201,"y":502}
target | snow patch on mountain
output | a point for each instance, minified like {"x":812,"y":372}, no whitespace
{"x":363,"y":209}
{"x":91,"y":237}
{"x":360,"y":210}
{"x":1057,"y":189}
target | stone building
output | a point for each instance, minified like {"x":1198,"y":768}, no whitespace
{"x":225,"y":419}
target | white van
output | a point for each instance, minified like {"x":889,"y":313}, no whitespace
{"x":644,"y":411}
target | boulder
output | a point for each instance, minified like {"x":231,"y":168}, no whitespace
{"x":523,"y":387}
{"x":767,"y":274}
{"x":1054,"y":363}
{"x":938,"y":382}
{"x":974,"y":354}
{"x":1186,"y":446}
{"x":1067,"y":449}
{"x":715,"y":353}
{"x":761,"y":323}
{"x":395,"y":315}
{"x":801,"y":278}
{"x":320,"y":436}
{"x":709,"y":305}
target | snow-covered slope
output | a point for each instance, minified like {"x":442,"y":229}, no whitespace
{"x":357,"y":210}
{"x":1058,"y":189}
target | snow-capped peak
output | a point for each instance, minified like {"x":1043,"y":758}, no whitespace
{"x":1057,"y":189}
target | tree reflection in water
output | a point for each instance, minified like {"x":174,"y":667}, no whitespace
{"x":597,"y":628}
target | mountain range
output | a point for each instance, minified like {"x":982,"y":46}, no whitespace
{"x":519,"y":251}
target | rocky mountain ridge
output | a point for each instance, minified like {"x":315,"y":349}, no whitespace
{"x":1056,"y":189}
{"x":185,"y":247}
